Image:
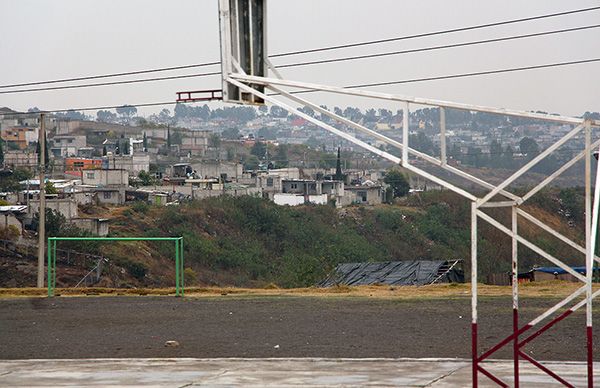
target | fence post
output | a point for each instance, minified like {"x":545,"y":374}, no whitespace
{"x":177,"y":268}
{"x":182,"y":268}
{"x":49,"y":268}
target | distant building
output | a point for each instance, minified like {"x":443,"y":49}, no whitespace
{"x":20,"y":159}
{"x":67,"y":145}
{"x":20,"y":137}
{"x":105,"y":178}
{"x":132,"y":163}
{"x":313,"y":191}
{"x":75,"y":166}
{"x":96,"y":226}
{"x":367,"y":194}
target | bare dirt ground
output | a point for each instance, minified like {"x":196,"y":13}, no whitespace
{"x":275,"y":324}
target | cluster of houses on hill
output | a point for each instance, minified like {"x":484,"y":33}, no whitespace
{"x":94,"y":163}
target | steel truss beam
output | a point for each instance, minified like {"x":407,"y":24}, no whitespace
{"x":246,"y":83}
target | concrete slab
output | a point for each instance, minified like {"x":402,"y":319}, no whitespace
{"x":271,"y":372}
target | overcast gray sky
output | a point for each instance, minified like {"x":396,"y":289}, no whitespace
{"x":42,"y":40}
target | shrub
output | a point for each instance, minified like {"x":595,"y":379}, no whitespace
{"x":189,"y":276}
{"x":140,"y":207}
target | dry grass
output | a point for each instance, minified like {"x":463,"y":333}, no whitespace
{"x":538,"y":289}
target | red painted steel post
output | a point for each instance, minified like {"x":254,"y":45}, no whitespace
{"x":590,"y":357}
{"x":474,"y":353}
{"x":516,"y":345}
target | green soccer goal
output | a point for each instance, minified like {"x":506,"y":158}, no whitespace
{"x":177,"y":241}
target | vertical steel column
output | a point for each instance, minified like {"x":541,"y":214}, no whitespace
{"x":177,"y":268}
{"x":182,"y":267}
{"x":405,"y":124}
{"x":53,"y":266}
{"x":443,"y":156}
{"x":591,"y":230}
{"x":474,"y":292}
{"x":515,"y":294}
{"x":49,"y":267}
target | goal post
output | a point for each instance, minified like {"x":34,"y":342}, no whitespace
{"x":177,"y":241}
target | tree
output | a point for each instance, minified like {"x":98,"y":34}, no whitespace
{"x":307,"y":110}
{"x":421,"y":142}
{"x":507,"y":157}
{"x":495,"y":152}
{"x":105,"y":116}
{"x":371,"y":115}
{"x":169,"y":137}
{"x":104,"y":150}
{"x":338,"y":111}
{"x":231,"y":133}
{"x":2,"y":152}
{"x":214,"y":141}
{"x":56,"y":223}
{"x":251,"y":163}
{"x":145,"y":142}
{"x":338,"y":166}
{"x":529,"y":147}
{"x":263,"y":109}
{"x":397,"y":182}
{"x":278,"y":112}
{"x":281,"y":157}
{"x":385,"y":114}
{"x":164,"y":116}
{"x":145,"y":178}
{"x":259,"y":149}
{"x":127,"y":110}
{"x":49,"y":188}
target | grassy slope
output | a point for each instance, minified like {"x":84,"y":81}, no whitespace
{"x":252,"y":242}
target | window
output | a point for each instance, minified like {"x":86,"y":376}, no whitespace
{"x":107,"y":195}
{"x":294,"y":186}
{"x":269,"y":182}
{"x":362,"y":195}
{"x":90,"y":175}
{"x":78,"y":164}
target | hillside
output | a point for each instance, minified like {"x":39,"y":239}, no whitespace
{"x":251,"y":242}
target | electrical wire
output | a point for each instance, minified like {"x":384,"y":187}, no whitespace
{"x":461,"y":75}
{"x":110,"y":83}
{"x":432,"y":48}
{"x":439,"y":32}
{"x":365,"y":85}
{"x":321,"y":49}
{"x":316,"y":62}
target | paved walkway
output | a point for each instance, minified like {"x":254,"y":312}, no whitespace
{"x":273,"y":372}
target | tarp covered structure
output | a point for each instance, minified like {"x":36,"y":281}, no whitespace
{"x":402,"y":273}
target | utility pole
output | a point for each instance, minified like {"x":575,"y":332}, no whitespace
{"x":42,"y":214}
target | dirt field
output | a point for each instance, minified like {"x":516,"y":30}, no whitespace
{"x":270,"y":326}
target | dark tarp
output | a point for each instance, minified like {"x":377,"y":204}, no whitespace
{"x":410,"y":272}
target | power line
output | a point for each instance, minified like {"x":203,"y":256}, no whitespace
{"x":461,"y":75}
{"x":432,"y":48}
{"x":110,"y":83}
{"x":137,"y":72}
{"x":440,"y":32}
{"x":365,"y":85}
{"x":328,"y":48}
{"x":343,"y":59}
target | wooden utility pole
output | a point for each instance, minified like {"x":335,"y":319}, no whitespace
{"x":42,"y":210}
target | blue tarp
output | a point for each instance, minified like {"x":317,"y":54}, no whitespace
{"x":559,"y":270}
